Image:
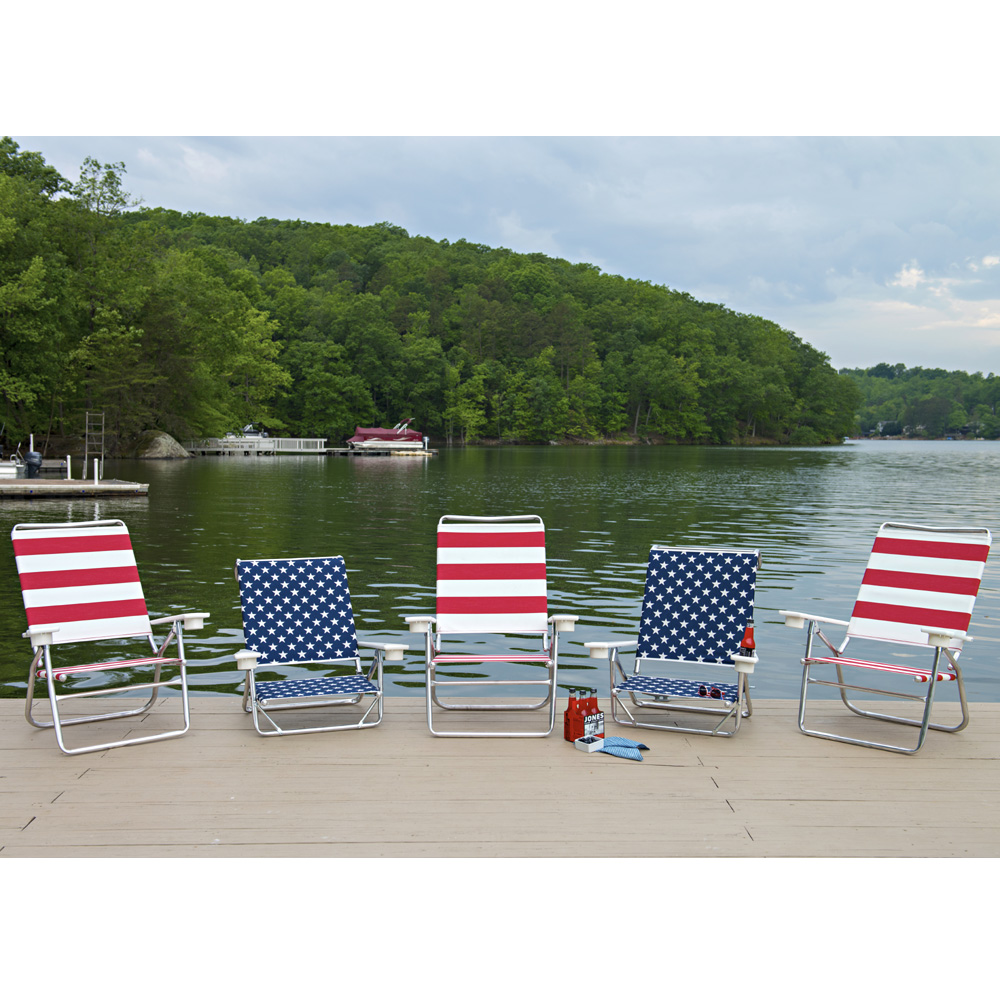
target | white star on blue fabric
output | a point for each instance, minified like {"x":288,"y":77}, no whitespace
{"x":297,"y":610}
{"x":697,"y":605}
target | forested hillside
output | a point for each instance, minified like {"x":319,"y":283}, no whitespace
{"x":197,"y":325}
{"x":926,"y":402}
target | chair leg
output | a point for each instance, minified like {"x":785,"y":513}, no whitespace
{"x":258,"y":712}
{"x":58,"y":722}
{"x":923,"y":723}
{"x":869,"y":714}
{"x":432,"y":700}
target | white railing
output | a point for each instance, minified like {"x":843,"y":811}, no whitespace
{"x":259,"y":445}
{"x":298,"y":444}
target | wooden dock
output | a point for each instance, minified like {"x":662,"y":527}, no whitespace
{"x":34,"y":489}
{"x":396,"y":791}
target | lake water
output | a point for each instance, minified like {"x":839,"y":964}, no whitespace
{"x":811,"y":511}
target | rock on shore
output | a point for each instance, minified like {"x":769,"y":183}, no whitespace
{"x":157,"y":444}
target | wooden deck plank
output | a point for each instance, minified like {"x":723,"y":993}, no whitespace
{"x":395,"y":791}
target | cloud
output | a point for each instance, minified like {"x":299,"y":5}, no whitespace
{"x":203,"y":167}
{"x":909,"y":276}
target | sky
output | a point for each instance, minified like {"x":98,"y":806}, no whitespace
{"x":838,"y":181}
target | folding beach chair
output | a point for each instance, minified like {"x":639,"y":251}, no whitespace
{"x":298,"y":611}
{"x":919,"y":590}
{"x":490,"y":582}
{"x":80,"y":584}
{"x":696,"y":609}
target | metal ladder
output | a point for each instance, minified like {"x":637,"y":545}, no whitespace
{"x":93,"y":443}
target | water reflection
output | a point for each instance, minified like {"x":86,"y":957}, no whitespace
{"x":811,"y":512}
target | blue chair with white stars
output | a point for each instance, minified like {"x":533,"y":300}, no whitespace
{"x":697,"y":616}
{"x":297,"y":613}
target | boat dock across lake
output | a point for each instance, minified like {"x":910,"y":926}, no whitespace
{"x":248,"y":447}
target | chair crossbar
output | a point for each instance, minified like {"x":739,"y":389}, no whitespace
{"x":916,"y":673}
{"x":489,"y":658}
{"x":142,"y":686}
{"x":668,"y":687}
{"x":60,"y":673}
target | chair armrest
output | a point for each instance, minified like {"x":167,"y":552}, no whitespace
{"x":602,"y":650}
{"x":192,"y":620}
{"x":392,"y":650}
{"x":420,"y":623}
{"x":797,"y":619}
{"x":944,"y":636}
{"x":744,"y":664}
{"x":246,"y":659}
{"x":564,"y":623}
{"x":40,"y":635}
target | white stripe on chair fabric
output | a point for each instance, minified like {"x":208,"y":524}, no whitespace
{"x":491,"y":576}
{"x":82,"y":579}
{"x":919,"y":577}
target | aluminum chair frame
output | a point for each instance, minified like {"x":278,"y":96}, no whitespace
{"x":941,"y":641}
{"x":44,"y":636}
{"x":435,"y":656}
{"x":365,"y":683}
{"x":681,"y":695}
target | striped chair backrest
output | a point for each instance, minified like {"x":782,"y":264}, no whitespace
{"x":697,"y":604}
{"x":297,"y":610}
{"x":82,"y":578}
{"x":491,"y":575}
{"x":919,"y":576}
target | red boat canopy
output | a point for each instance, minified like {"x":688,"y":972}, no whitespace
{"x":398,"y":433}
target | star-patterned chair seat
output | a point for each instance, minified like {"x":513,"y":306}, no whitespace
{"x":678,"y":687}
{"x":311,"y":687}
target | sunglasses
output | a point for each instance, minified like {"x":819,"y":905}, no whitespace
{"x":709,"y":692}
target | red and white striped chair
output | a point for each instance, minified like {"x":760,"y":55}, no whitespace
{"x":80,"y":584}
{"x":490,"y":581}
{"x":919,"y":590}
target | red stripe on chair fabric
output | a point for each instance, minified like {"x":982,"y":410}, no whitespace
{"x":491,"y":605}
{"x":64,"y":543}
{"x":79,"y":577}
{"x":491,"y":571}
{"x":931,"y":550}
{"x":894,"y":668}
{"x":931,"y":617}
{"x":95,"y":611}
{"x":968,"y":585}
{"x":489,"y":539}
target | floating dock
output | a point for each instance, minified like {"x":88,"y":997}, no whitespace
{"x":252,"y":446}
{"x":33,"y":489}
{"x":396,"y":791}
{"x":381,"y":452}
